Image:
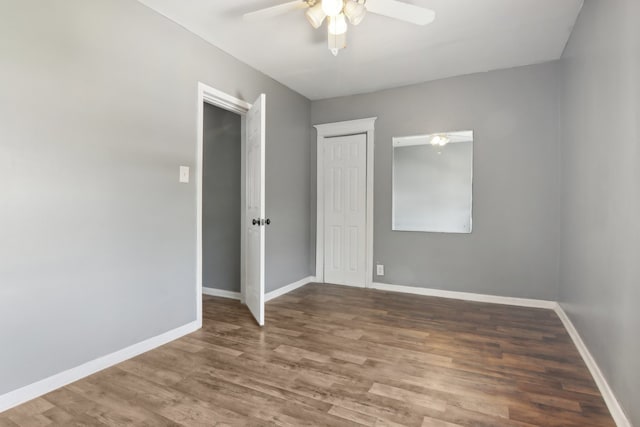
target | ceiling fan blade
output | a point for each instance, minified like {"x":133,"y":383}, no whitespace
{"x":402,"y":11}
{"x":270,"y":12}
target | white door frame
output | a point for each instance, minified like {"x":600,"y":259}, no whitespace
{"x":329,"y":130}
{"x":219,"y":99}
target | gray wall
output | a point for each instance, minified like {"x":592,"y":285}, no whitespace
{"x":600,"y":142}
{"x":97,"y":111}
{"x":513,"y":250}
{"x":221,"y":199}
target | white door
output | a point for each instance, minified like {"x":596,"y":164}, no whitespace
{"x":255,"y":212}
{"x":345,"y":174}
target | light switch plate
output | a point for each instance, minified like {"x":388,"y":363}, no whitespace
{"x":184,"y":174}
{"x":380,"y":270}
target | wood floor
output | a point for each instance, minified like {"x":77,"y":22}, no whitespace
{"x":337,"y":356}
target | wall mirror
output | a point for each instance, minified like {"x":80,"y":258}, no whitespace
{"x":432,"y":182}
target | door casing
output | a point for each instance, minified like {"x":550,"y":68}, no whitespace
{"x":227,"y":102}
{"x":345,"y":128}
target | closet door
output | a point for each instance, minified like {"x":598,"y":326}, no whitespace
{"x":345,"y":173}
{"x":255,"y":211}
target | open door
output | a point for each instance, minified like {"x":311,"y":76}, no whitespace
{"x":255,"y":212}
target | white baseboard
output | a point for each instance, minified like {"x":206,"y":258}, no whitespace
{"x":288,"y":288}
{"x":467,"y":296}
{"x":267,"y":297}
{"x":220,"y":293}
{"x":610,"y":399}
{"x":37,"y":389}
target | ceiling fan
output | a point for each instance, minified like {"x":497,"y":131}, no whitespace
{"x":338,"y":12}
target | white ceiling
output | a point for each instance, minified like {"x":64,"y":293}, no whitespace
{"x":468,"y":36}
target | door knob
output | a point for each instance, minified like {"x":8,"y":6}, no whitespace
{"x":267,"y":221}
{"x":255,"y":222}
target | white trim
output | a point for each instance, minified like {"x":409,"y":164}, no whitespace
{"x":243,"y":205}
{"x":268,"y":297}
{"x":199,"y":175}
{"x":219,"y":99}
{"x":329,"y":130}
{"x":607,"y":394}
{"x":220,"y":293}
{"x":39,"y":388}
{"x":288,"y":288}
{"x":467,"y":296}
{"x":346,"y":128}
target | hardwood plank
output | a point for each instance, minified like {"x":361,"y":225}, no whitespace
{"x":332,"y":355}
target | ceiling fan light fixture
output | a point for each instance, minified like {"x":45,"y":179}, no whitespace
{"x":355,"y":11}
{"x":337,"y":25}
{"x":341,"y":13}
{"x":332,"y":7}
{"x":337,"y":42}
{"x":315,"y":15}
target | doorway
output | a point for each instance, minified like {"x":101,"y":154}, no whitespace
{"x":242,"y":196}
{"x":221,"y":201}
{"x":344,"y":227}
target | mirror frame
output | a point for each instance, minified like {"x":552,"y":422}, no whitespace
{"x":394,"y":140}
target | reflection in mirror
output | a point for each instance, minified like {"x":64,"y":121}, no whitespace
{"x":432,"y":182}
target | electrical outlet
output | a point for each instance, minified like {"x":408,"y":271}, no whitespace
{"x":380,"y":270}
